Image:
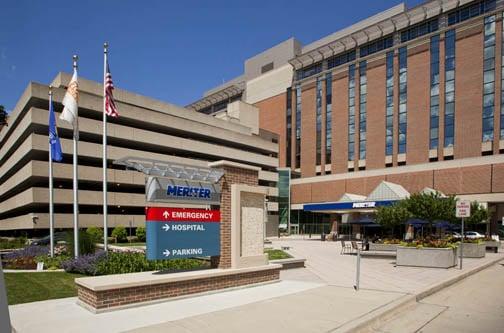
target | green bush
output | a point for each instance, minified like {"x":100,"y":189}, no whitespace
{"x":52,"y":263}
{"x":86,"y":243}
{"x":120,"y":234}
{"x":140,"y":233}
{"x":9,"y":243}
{"x":95,"y":233}
{"x":120,"y":263}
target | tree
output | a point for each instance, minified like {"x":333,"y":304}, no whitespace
{"x":392,"y":216}
{"x":478,"y":214}
{"x":431,"y":207}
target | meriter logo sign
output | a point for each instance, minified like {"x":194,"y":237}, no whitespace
{"x":187,"y":191}
{"x":159,"y":189}
{"x":182,"y":233}
{"x":371,"y":204}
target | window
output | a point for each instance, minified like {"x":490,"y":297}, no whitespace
{"x":340,"y":59}
{"x":403,"y":96}
{"x":502,"y":89}
{"x":328,"y":82}
{"x":419,"y":30}
{"x":351,"y":112}
{"x":376,"y":46}
{"x":309,"y":71}
{"x":488,"y":78}
{"x":362,"y":109}
{"x":298,"y":126}
{"x":434,"y":92}
{"x":318,"y":120}
{"x":449,"y":116}
{"x":389,"y":111}
{"x":289,"y":127}
{"x":267,"y":67}
{"x":470,"y":11}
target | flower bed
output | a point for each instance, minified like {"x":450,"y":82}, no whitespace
{"x":24,"y":258}
{"x":382,"y":247}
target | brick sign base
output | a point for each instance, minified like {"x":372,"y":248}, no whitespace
{"x":99,"y":294}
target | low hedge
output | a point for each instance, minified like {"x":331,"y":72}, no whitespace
{"x":101,"y":263}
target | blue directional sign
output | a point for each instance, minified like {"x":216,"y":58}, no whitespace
{"x":174,"y":233}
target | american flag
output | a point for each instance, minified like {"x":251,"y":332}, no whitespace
{"x":110,"y":107}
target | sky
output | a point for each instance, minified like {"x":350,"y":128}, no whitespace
{"x":169,"y":50}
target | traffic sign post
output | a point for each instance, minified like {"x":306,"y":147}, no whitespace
{"x":462,"y":210}
{"x":174,"y":233}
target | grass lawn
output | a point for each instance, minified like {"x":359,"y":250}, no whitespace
{"x":128,"y":244}
{"x":276,"y":254}
{"x":32,"y":287}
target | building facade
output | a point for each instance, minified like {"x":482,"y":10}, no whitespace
{"x":146,"y":128}
{"x":410,"y":96}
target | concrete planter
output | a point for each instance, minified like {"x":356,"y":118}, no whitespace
{"x":472,"y":250}
{"x":382,"y":247}
{"x":426,"y":257}
{"x":492,"y":246}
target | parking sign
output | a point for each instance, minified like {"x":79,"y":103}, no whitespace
{"x":463,"y":208}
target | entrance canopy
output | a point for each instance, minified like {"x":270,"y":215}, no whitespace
{"x":172,"y":170}
{"x":385,"y":194}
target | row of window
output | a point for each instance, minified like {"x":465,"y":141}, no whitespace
{"x":318,"y":120}
{"x":449,"y":112}
{"x":502,"y":89}
{"x":389,"y":121}
{"x":288,"y":119}
{"x":328,"y":80}
{"x":434,"y":93}
{"x":488,"y":78}
{"x":351,"y":112}
{"x":298,"y":127}
{"x":471,"y":11}
{"x":403,"y":98}
{"x":419,"y":30}
{"x":362,"y":109}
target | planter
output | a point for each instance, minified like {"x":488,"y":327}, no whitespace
{"x":382,"y":247}
{"x":492,"y":245}
{"x":472,"y":250}
{"x":426,"y":257}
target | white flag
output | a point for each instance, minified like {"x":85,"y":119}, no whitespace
{"x":70,"y":111}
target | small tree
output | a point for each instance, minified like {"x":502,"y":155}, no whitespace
{"x":478,"y":214}
{"x":389,"y":217}
{"x":431,"y":207}
{"x":120,"y":234}
{"x":140,"y":233}
{"x":95,"y":233}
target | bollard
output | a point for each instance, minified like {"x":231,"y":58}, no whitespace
{"x":357,"y":275}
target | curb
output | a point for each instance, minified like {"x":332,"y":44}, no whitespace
{"x":367,"y":321}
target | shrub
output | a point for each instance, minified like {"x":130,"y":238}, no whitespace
{"x":120,"y":234}
{"x":86,"y":244}
{"x":101,"y":263}
{"x":54,"y":262}
{"x":84,"y":264}
{"x":141,"y":233}
{"x":12,"y":243}
{"x":435,"y":243}
{"x":96,"y":234}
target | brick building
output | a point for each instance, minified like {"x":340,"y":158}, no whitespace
{"x":410,"y":96}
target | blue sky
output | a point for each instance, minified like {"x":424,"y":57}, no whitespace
{"x":169,"y":50}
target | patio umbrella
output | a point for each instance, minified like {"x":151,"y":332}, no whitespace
{"x":442,"y":224}
{"x":416,"y":222}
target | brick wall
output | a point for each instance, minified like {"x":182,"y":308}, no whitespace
{"x":100,"y":300}
{"x":465,"y":180}
{"x":308,"y":132}
{"x":340,"y":125}
{"x":375,"y":132}
{"x":273,"y":117}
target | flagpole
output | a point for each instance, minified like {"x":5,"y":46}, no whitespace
{"x":105,"y":210}
{"x":75,"y":175}
{"x":51,"y":188}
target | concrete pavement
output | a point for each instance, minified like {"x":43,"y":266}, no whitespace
{"x":475,"y":304}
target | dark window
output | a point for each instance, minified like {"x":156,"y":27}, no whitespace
{"x":308,"y":71}
{"x":376,"y":46}
{"x":434,"y":92}
{"x":289,"y":128}
{"x":318,"y":120}
{"x":298,"y":126}
{"x":340,"y":59}
{"x":449,"y":117}
{"x":362,"y":109}
{"x":419,"y":30}
{"x":470,"y":11}
{"x":389,"y":107}
{"x":488,"y":79}
{"x":266,"y":68}
{"x":328,"y":82}
{"x":351,"y":113}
